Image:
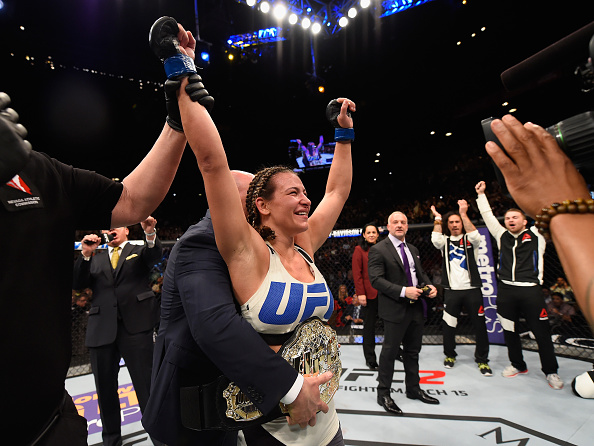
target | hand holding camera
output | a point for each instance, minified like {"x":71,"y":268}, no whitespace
{"x":537,"y":171}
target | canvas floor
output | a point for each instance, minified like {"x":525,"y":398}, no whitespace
{"x":473,"y":409}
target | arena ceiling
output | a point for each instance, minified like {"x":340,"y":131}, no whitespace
{"x":88,"y":96}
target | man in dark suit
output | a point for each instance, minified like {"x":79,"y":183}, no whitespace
{"x":123,"y":314}
{"x":201,"y":337}
{"x":396,"y":273}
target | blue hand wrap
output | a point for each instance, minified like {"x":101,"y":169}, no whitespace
{"x":178,"y":64}
{"x":341,"y":134}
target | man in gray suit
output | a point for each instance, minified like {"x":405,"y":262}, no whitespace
{"x":123,"y":314}
{"x":396,"y":273}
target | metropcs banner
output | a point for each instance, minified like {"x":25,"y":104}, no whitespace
{"x":486,"y":266}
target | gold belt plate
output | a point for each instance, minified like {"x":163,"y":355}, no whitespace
{"x":312,"y":349}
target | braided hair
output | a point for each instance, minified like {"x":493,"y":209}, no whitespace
{"x":260,"y":186}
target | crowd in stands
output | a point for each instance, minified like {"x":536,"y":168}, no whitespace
{"x":334,"y":257}
{"x":441,"y":187}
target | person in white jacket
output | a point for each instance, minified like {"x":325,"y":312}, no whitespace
{"x":459,"y":242}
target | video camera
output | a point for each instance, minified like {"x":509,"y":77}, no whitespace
{"x":575,"y":135}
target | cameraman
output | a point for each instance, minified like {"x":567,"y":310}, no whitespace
{"x":532,"y":161}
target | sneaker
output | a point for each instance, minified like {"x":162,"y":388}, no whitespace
{"x":510,"y":372}
{"x":555,"y":381}
{"x":485,"y":369}
{"x":449,"y":362}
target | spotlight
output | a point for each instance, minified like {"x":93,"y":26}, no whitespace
{"x":365,"y":3}
{"x":321,"y":89}
{"x":251,"y":3}
{"x":343,"y":22}
{"x":352,"y":13}
{"x":280,"y":11}
{"x":293,"y":19}
{"x":306,"y":23}
{"x":316,"y":28}
{"x":265,"y":7}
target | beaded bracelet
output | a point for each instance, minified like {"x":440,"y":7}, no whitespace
{"x":579,"y":206}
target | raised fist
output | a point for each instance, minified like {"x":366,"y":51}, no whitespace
{"x":334,"y":109}
{"x":177,"y":57}
{"x":163,"y":38}
{"x":14,"y":149}
{"x":480,"y":187}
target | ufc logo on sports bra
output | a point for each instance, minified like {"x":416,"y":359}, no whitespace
{"x":279,"y":309}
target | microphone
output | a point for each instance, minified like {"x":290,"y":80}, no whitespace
{"x":571,"y":50}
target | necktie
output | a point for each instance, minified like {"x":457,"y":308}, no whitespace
{"x":406,"y":265}
{"x":115,"y":256}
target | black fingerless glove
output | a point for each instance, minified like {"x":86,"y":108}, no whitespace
{"x":332,"y":112}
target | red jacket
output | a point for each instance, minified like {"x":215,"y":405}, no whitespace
{"x":360,"y":274}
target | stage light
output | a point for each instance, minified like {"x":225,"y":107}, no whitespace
{"x":352,"y":13}
{"x":203,"y":51}
{"x":365,"y":3}
{"x":343,"y":22}
{"x":305,"y":23}
{"x":230,"y":56}
{"x":265,"y":7}
{"x":251,"y":3}
{"x":293,"y":19}
{"x":321,"y":89}
{"x":316,"y":28}
{"x":280,"y":11}
{"x":1,"y":4}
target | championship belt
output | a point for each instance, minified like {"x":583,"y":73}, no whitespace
{"x":312,"y":349}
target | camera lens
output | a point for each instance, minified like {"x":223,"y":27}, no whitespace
{"x":575,"y":136}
